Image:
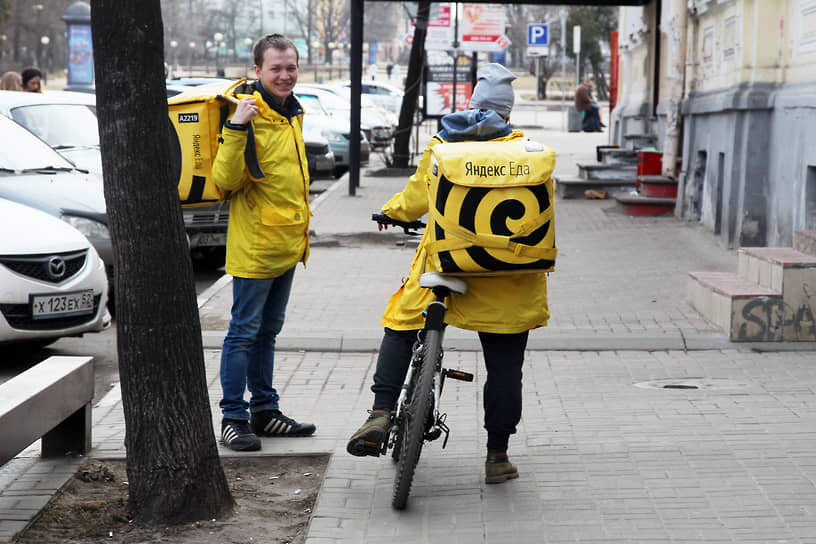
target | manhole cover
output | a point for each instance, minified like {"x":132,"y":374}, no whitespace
{"x":686,"y":384}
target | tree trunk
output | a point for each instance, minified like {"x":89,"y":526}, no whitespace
{"x":173,"y":467}
{"x":402,"y":140}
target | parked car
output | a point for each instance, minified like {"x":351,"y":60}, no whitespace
{"x":64,"y":120}
{"x":317,"y":118}
{"x":33,"y":174}
{"x":318,"y":153}
{"x":378,"y":128}
{"x":382,"y":94}
{"x":67,"y":122}
{"x":371,"y":109}
{"x":52,"y":281}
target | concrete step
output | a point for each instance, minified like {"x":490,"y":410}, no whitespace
{"x":638,"y":205}
{"x":657,"y":186}
{"x":805,"y":241}
{"x":597,"y":170}
{"x":791,"y":273}
{"x":638,"y":140}
{"x":616,"y":155}
{"x":743,"y":309}
{"x":779,"y":268}
{"x":574,"y":186}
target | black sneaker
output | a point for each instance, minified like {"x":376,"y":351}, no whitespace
{"x":237,"y":435}
{"x":274,"y":423}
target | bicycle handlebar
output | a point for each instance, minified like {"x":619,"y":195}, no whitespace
{"x":406,"y":226}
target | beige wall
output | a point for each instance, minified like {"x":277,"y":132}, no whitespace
{"x":750,"y":41}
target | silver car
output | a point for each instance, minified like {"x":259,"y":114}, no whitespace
{"x":378,"y":126}
{"x":67,"y":122}
{"x":33,"y":174}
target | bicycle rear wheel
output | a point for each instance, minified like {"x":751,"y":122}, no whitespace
{"x":416,"y":419}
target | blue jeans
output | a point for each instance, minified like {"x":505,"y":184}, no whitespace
{"x":248,"y":356}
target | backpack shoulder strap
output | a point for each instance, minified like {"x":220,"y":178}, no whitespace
{"x":250,"y":152}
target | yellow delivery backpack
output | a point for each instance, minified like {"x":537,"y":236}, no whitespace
{"x":197,"y":118}
{"x":491,"y":208}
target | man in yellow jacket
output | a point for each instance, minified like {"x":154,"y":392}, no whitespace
{"x":266,"y":238}
{"x":501,"y":308}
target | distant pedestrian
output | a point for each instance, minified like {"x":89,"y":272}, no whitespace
{"x":372,"y":69}
{"x":32,"y":80}
{"x":389,"y":69}
{"x":11,"y":81}
{"x":584,"y":102}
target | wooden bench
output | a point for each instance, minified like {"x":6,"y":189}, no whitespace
{"x":52,"y":401}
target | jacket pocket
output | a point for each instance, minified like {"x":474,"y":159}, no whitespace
{"x":283,"y":226}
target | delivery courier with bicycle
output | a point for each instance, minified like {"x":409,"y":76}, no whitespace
{"x":488,"y":194}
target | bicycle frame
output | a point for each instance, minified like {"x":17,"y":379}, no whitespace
{"x":435,"y":315}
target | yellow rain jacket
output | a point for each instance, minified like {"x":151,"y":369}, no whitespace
{"x":269,"y":217}
{"x":508,"y":303}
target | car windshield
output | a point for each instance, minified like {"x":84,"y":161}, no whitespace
{"x":365,"y":101}
{"x":329,"y":101}
{"x":311,"y":105}
{"x":60,"y":125}
{"x":21,"y":150}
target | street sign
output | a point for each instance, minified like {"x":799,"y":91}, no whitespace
{"x":482,"y":28}
{"x":538,"y":34}
{"x":538,"y":51}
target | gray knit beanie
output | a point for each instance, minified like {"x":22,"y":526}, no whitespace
{"x":494,"y":90}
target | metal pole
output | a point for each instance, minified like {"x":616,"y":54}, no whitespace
{"x":455,"y":52}
{"x":356,"y":66}
{"x":563,"y":70}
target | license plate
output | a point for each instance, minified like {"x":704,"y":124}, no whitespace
{"x":208,"y":239}
{"x":62,"y":304}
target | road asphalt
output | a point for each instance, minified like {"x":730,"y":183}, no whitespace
{"x":641,"y":421}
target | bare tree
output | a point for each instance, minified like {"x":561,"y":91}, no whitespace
{"x":331,"y":23}
{"x":173,"y":467}
{"x":381,"y":20}
{"x":304,"y":22}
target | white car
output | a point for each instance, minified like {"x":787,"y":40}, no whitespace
{"x":378,"y":125}
{"x":67,"y":122}
{"x":316,"y":118}
{"x":382,"y":94}
{"x":52,"y":281}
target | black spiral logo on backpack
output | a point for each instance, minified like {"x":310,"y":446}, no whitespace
{"x":489,"y":211}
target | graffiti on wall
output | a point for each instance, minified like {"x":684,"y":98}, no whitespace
{"x":770,"y":319}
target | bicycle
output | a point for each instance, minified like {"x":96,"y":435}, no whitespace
{"x":417,"y":416}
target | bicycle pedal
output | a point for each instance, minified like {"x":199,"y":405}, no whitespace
{"x":459,"y":375}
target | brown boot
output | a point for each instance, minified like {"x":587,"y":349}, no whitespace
{"x":499,"y":469}
{"x":370,"y":438}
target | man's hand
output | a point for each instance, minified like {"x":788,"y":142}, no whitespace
{"x":245,"y":111}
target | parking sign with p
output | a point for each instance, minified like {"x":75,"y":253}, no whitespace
{"x":537,"y":34}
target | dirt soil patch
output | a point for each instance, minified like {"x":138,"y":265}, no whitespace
{"x":274,"y":499}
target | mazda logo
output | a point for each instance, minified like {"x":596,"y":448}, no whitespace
{"x":56,"y":268}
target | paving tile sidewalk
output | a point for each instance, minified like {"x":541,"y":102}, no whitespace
{"x":606,"y":453}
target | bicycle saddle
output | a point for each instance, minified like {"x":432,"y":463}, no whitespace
{"x":429,"y":280}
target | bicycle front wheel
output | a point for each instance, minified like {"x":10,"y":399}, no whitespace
{"x":416,"y":417}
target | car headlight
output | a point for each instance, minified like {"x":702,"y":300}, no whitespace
{"x":88,"y":227}
{"x":333,"y":136}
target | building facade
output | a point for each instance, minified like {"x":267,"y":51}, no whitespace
{"x":727,"y":90}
